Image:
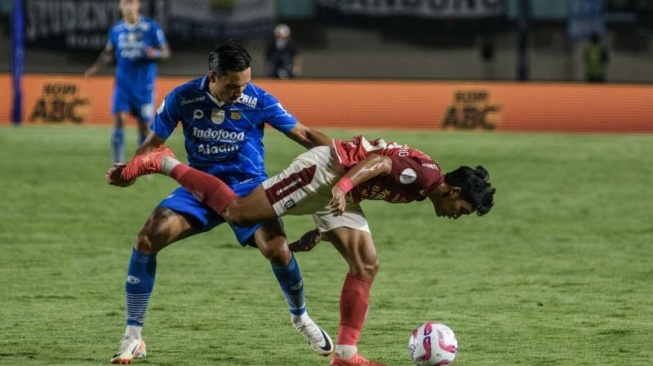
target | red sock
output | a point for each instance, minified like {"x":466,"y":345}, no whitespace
{"x":205,"y":187}
{"x":354,"y":301}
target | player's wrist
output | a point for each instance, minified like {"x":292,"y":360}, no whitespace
{"x":345,"y":184}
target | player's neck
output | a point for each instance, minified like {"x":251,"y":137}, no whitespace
{"x":132,"y":21}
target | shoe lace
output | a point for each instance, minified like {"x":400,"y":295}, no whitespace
{"x":310,"y":330}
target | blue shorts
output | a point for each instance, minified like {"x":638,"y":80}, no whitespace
{"x":182,"y":201}
{"x":136,"y":101}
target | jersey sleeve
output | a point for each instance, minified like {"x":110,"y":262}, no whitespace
{"x":110,"y":41}
{"x":159,"y":35}
{"x":275,"y":115}
{"x":167,"y":116}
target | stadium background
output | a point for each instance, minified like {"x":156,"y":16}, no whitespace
{"x":559,"y":272}
{"x":462,"y":66}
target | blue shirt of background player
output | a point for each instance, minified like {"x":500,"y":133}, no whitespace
{"x":135,"y":73}
{"x":225,"y":140}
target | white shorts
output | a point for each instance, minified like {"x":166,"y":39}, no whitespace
{"x":304,"y":188}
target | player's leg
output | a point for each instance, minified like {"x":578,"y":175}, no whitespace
{"x":357,"y":247}
{"x":271,"y":240}
{"x":120,"y":109}
{"x":243,"y":211}
{"x":350,"y":235}
{"x":176,"y":218}
{"x":118,"y":137}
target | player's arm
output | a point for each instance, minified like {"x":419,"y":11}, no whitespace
{"x":368,"y":168}
{"x":104,"y":58}
{"x":159,"y":53}
{"x":308,"y":137}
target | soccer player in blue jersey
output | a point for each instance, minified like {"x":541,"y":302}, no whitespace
{"x":138,"y":43}
{"x":222,"y":117}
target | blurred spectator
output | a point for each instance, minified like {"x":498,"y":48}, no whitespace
{"x":281,"y":56}
{"x":138,"y":43}
{"x":596,"y":59}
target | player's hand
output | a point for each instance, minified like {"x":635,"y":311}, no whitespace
{"x":91,"y":70}
{"x":153,"y":53}
{"x":307,"y":242}
{"x":338,"y":201}
{"x":114,"y":176}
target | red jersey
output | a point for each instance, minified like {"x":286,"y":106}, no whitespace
{"x":414,"y":174}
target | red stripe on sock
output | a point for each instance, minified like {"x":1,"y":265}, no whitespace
{"x":205,"y":187}
{"x":354,"y":302}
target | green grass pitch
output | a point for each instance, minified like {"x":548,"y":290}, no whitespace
{"x":559,"y":273}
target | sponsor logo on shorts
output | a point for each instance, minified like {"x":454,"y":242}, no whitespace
{"x":290,"y":204}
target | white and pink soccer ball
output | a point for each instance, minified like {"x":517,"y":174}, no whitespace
{"x":432,"y":344}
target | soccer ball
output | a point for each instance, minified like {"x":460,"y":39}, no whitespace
{"x":432,"y":344}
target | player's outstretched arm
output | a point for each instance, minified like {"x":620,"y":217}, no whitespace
{"x":105,"y":57}
{"x":308,"y":137}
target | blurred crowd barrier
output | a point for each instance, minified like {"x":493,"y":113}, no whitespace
{"x":489,"y":106}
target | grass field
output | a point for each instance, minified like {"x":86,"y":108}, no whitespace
{"x":559,"y":273}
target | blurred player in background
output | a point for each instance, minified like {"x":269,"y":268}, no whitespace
{"x":223,"y":118}
{"x":138,"y":43}
{"x":330,"y":183}
{"x":282,"y":59}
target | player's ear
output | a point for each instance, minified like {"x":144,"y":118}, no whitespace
{"x":454,"y":192}
{"x":213,"y":77}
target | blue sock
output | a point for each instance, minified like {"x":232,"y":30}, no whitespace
{"x":118,"y":145}
{"x":140,"y":282}
{"x":292,"y":285}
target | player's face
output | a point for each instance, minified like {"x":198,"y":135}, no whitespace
{"x":230,"y":87}
{"x":130,"y":10}
{"x":451,"y":205}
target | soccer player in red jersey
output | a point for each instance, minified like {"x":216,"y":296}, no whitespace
{"x":329,"y":183}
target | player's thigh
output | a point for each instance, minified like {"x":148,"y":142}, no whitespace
{"x":357,"y":248}
{"x":305,"y":186}
{"x":120,"y":100}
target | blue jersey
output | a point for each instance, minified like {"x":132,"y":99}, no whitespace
{"x":225,"y":140}
{"x":130,"y":42}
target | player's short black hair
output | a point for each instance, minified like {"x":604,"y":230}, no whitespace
{"x":474,"y":187}
{"x":228,"y":57}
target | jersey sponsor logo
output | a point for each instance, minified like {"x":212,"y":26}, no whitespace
{"x":407,"y":176}
{"x":236,"y":115}
{"x":217,"y":149}
{"x":431,"y":166}
{"x":217,"y":116}
{"x":248,"y":100}
{"x":188,"y":101}
{"x":290,"y":204}
{"x":219,"y":135}
{"x":198,"y":114}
